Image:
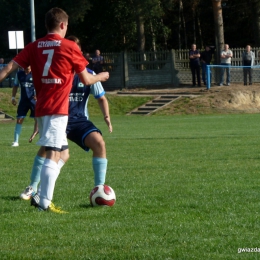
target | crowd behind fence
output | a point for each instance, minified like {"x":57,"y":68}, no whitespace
{"x":144,"y":69}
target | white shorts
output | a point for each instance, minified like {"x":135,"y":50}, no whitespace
{"x":52,"y":130}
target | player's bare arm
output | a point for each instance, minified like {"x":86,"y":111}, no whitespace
{"x":89,"y":79}
{"x":35,"y":131}
{"x":14,"y":91}
{"x":9,"y":68}
{"x":104,"y":107}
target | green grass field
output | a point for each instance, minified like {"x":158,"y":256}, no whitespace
{"x":187,"y":188}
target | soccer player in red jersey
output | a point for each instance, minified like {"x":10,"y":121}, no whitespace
{"x":53,"y":61}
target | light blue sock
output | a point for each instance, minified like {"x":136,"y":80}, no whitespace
{"x":100,"y":170}
{"x":36,"y":171}
{"x":17,"y":132}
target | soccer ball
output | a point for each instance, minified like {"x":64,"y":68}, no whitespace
{"x":102,"y":195}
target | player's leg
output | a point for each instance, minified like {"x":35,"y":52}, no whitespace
{"x":53,"y":137}
{"x":35,"y":131}
{"x":36,"y":172}
{"x":17,"y":131}
{"x":96,"y":143}
{"x":49,"y":174}
{"x":32,"y":115}
{"x":22,"y":110}
{"x":35,"y":175}
{"x":87,"y":136}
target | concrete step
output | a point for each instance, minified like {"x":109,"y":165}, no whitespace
{"x":156,"y":104}
{"x":147,"y":108}
{"x":170,"y":97}
{"x":161,"y":100}
{"x":5,"y":117}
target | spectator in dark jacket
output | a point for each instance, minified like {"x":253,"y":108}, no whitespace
{"x":97,"y":62}
{"x":194,"y":56}
{"x":248,"y":58}
{"x":205,"y":58}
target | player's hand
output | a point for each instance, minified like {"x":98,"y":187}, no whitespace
{"x":14,"y":102}
{"x":108,"y":122}
{"x":33,"y":135}
{"x":104,"y":76}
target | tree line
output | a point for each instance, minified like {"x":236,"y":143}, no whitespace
{"x":134,"y":25}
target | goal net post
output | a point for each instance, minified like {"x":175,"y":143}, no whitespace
{"x":218,"y":73}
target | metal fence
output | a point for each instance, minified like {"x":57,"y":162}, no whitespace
{"x":144,"y":69}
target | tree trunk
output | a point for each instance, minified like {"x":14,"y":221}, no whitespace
{"x":255,"y":4}
{"x":184,"y":25}
{"x":140,"y":33}
{"x":179,"y":34}
{"x":194,"y":27}
{"x":154,"y":44}
{"x":153,"y":37}
{"x":141,"y":38}
{"x":199,"y":29}
{"x":219,"y":28}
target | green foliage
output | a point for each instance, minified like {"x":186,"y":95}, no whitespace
{"x":119,"y":105}
{"x":111,"y":26}
{"x":187,"y":188}
{"x":5,"y":101}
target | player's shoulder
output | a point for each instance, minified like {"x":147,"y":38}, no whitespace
{"x":90,"y":71}
{"x":69,"y":43}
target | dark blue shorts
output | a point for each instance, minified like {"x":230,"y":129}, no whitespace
{"x":78,"y":129}
{"x":24,"y":107}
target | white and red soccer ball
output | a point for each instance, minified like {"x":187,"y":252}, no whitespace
{"x":102,"y":195}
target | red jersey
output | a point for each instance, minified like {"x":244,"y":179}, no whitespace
{"x":53,"y":61}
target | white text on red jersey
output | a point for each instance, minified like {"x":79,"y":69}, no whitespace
{"x":42,"y":44}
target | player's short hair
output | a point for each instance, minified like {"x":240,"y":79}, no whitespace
{"x":54,"y":17}
{"x":74,"y":39}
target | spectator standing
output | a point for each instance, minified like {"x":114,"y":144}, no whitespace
{"x":205,"y":58}
{"x":225,"y":59}
{"x":97,"y":62}
{"x":194,"y":56}
{"x":248,"y":59}
{"x":89,"y":59}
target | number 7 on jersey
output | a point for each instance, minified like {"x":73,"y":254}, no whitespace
{"x":48,"y":62}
